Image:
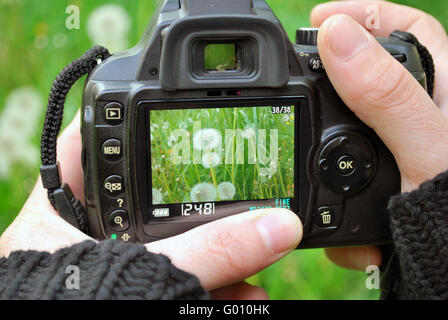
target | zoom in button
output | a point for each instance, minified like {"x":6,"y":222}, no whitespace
{"x":119,"y":220}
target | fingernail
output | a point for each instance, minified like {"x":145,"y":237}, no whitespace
{"x":280,"y":230}
{"x":345,"y":37}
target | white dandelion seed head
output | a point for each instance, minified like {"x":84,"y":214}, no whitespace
{"x":7,"y":142}
{"x":248,"y":133}
{"x":210,"y":160}
{"x":60,"y":40}
{"x":203,"y":192}
{"x":8,"y":158}
{"x":270,"y":170}
{"x":14,"y":151}
{"x":27,"y":154}
{"x":41,"y":41}
{"x":108,"y":25}
{"x":154,"y":127}
{"x":5,"y":169}
{"x":273,"y":167}
{"x":207,"y":139}
{"x":24,"y":101}
{"x":226,"y":190}
{"x":172,"y":139}
{"x":22,"y":111}
{"x":157,"y":197}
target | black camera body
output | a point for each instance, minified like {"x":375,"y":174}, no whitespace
{"x":214,"y":113}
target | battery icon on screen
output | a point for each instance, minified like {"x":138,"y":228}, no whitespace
{"x":161,"y":212}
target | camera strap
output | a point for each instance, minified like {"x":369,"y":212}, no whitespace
{"x":425,"y":57}
{"x":60,"y":195}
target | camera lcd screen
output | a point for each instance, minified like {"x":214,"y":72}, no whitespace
{"x":208,"y":155}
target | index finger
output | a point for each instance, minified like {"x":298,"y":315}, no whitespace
{"x":391,"y":17}
{"x":357,"y":258}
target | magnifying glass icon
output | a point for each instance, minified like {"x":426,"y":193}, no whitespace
{"x":108,"y":186}
{"x":119,"y":220}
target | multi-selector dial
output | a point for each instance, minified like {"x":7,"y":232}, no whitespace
{"x":346,"y":163}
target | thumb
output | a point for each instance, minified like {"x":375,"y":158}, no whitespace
{"x":380,"y":91}
{"x":231,"y":249}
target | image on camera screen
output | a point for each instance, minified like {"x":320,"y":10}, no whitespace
{"x":222,"y":154}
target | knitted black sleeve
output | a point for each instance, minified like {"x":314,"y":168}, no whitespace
{"x":107,"y":270}
{"x":419,"y":222}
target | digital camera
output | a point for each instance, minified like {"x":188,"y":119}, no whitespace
{"x":216,"y":112}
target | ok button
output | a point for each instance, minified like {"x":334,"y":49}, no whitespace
{"x":346,"y":165}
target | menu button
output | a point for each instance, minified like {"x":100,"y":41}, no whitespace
{"x":111,"y":150}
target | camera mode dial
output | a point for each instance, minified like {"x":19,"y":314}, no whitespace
{"x":346,"y":163}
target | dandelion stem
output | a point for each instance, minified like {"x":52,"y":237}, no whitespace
{"x":166,"y":186}
{"x":183,"y":176}
{"x":234,"y":144}
{"x":212,"y":172}
{"x":197,"y":172}
{"x":281,"y":179}
{"x":276,"y":186}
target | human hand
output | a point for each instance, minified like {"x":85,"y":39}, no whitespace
{"x":221,"y":254}
{"x":381,"y":92}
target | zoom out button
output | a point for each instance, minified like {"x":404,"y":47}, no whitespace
{"x":113,"y":186}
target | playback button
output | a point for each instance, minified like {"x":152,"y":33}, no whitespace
{"x":113,"y":113}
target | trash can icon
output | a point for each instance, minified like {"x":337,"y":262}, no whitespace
{"x":326,"y":217}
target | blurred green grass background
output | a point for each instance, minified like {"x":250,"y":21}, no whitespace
{"x":35,"y":45}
